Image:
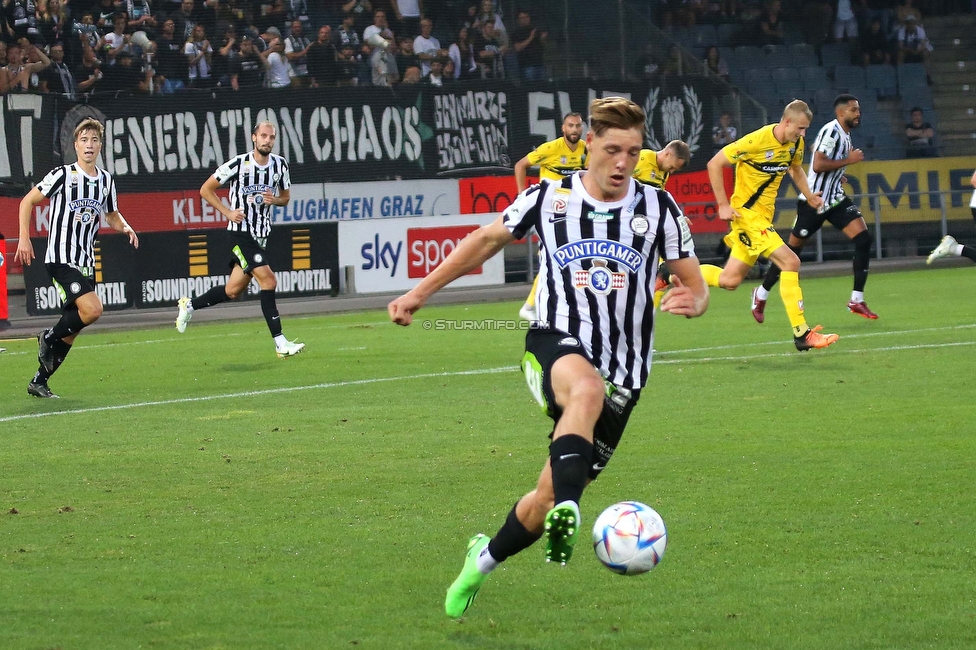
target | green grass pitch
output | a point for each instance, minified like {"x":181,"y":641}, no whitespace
{"x":193,"y":491}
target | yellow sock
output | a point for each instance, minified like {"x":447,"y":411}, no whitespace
{"x":789,"y":291}
{"x":658,"y":296}
{"x":711,"y":272}
{"x":530,"y":301}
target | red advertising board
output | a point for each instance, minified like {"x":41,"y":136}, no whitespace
{"x":427,"y":247}
{"x":487,"y":193}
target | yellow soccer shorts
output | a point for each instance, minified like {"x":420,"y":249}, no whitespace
{"x":751,"y":236}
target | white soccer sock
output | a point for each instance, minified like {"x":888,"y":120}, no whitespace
{"x":280,"y":340}
{"x":189,"y":306}
{"x":857,"y":296}
{"x":957,"y":250}
{"x":486,"y":563}
{"x":761,"y":293}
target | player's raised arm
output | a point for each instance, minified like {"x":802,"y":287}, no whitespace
{"x":472,"y":252}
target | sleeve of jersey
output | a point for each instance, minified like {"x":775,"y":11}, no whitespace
{"x":541,"y":153}
{"x":228,"y":169}
{"x":112,"y":198}
{"x":51,"y":182}
{"x":523,"y":214}
{"x":678,"y":242}
{"x":798,"y":156}
{"x":285,"y":177}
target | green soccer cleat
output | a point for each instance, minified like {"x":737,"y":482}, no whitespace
{"x":562,"y":524}
{"x":465,"y":587}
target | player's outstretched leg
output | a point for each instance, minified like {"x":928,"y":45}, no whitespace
{"x":861,"y":309}
{"x":40,"y":390}
{"x":186,"y":313}
{"x":562,"y":526}
{"x":465,"y":587}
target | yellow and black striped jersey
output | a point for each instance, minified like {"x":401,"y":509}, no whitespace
{"x":761,"y":161}
{"x":556,"y":160}
{"x":648,"y":172}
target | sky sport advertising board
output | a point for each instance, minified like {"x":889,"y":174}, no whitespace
{"x":395,"y":254}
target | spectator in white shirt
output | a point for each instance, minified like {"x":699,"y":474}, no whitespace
{"x":199,"y":55}
{"x":296,"y":51}
{"x":426,"y":47}
{"x":279,"y":70}
{"x":408,"y":14}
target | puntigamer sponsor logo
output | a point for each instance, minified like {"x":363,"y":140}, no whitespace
{"x":599,"y":249}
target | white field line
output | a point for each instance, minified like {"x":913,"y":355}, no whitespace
{"x":486,"y":371}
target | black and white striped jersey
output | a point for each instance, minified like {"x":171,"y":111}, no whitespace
{"x":598,"y":263}
{"x":78,"y":202}
{"x":835,"y":143}
{"x":248,"y":181}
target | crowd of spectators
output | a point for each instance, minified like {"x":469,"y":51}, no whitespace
{"x":75,"y":47}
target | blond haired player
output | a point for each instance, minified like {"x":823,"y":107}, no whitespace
{"x":762,"y":158}
{"x":556,"y":159}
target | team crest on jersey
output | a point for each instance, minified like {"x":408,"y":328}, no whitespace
{"x":562,"y":160}
{"x":599,"y":249}
{"x":560,"y":200}
{"x":769,"y":155}
{"x":639,"y":224}
{"x":74,"y":288}
{"x":599,"y":279}
{"x":258,"y":258}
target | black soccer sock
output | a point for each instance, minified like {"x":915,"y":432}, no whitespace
{"x":70,"y":323}
{"x":214,"y":296}
{"x":61,"y":350}
{"x":570,"y":457}
{"x":771,"y":277}
{"x":41,"y":376}
{"x":862,"y":259}
{"x":970,"y":252}
{"x":270,"y":310}
{"x":511,"y":538}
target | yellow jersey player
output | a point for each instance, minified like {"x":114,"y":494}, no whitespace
{"x":761,"y":159}
{"x":556,"y":159}
{"x":654,"y":168}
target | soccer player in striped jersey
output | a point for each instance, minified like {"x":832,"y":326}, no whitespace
{"x":258,"y":180}
{"x":556,"y":159}
{"x":588,"y":354}
{"x":762,"y":158}
{"x":80,"y":194}
{"x":832,"y":153}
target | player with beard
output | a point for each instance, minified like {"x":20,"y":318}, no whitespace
{"x":80,"y":194}
{"x":832,"y":152}
{"x":258,"y":180}
{"x":556,"y":159}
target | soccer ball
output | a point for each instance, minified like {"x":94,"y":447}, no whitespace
{"x":630,"y":538}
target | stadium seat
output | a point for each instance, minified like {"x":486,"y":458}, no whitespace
{"x":776,"y":56}
{"x":814,"y":78}
{"x":748,"y":56}
{"x":920,"y":98}
{"x":803,"y":54}
{"x":867,"y":101}
{"x":835,"y":54}
{"x":911,"y":77}
{"x":727,"y":34}
{"x":790,"y":87}
{"x":882,"y":79}
{"x":702,"y":35}
{"x":823,"y":100}
{"x":757,"y":80}
{"x":849,"y":77}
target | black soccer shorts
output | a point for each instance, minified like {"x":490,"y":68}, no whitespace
{"x":248,"y":254}
{"x":809,"y":221}
{"x":70,"y":282}
{"x":543,"y":347}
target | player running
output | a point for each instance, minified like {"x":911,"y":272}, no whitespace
{"x":761,"y":159}
{"x":832,"y":152}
